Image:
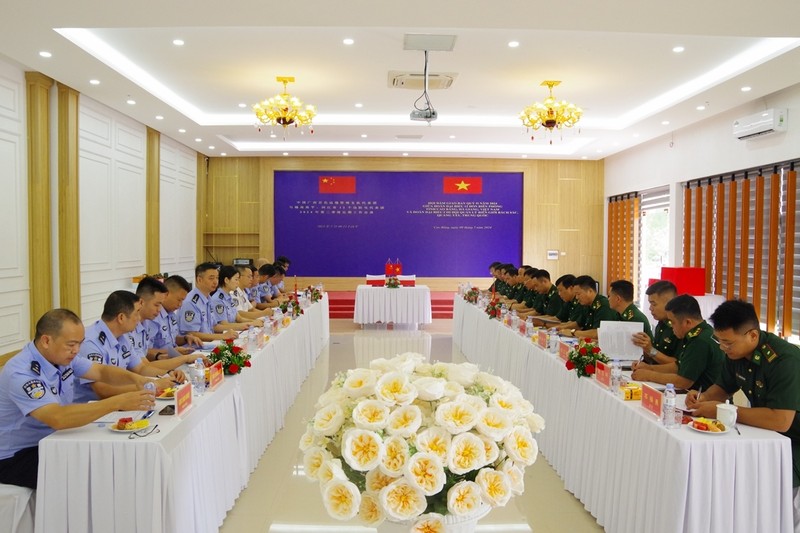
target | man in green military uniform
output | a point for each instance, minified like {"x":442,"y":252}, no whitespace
{"x":594,"y":308}
{"x":661,"y":348}
{"x":767,"y":369}
{"x":620,"y":298}
{"x":531,"y":296}
{"x":549,"y":302}
{"x":699,"y":359}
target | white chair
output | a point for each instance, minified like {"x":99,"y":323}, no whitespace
{"x":17,"y":509}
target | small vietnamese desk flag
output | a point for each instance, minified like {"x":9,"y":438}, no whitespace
{"x":462,"y":185}
{"x":337,"y":184}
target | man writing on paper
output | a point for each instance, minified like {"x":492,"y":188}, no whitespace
{"x":36,"y":391}
{"x":662,"y":346}
{"x":620,"y":298}
{"x":699,"y":359}
{"x":594,"y":309}
{"x":767,"y":369}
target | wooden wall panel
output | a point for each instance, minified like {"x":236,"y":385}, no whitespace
{"x":563,"y":206}
{"x":153,"y":202}
{"x":69,"y":281}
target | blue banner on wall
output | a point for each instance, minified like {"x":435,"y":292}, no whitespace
{"x":438,"y":224}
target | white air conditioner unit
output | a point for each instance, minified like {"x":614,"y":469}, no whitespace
{"x":416,"y":80}
{"x":763,"y":123}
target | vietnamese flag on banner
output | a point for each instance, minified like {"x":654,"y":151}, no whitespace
{"x":462,"y":185}
{"x":337,"y":184}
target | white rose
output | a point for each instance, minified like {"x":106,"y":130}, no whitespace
{"x":332,"y":395}
{"x":330,"y":470}
{"x":396,"y":455}
{"x":309,"y":439}
{"x":491,"y":449}
{"x":516,"y":476}
{"x":535,"y":422}
{"x":394,"y":388}
{"x":453,"y":389}
{"x":456,"y":417}
{"x":495,"y":486}
{"x":370,"y":414}
{"x":404,"y":421}
{"x":382,"y":365}
{"x":328,"y":419}
{"x":408,"y":361}
{"x":313,"y":459}
{"x":475,"y":401}
{"x":463,"y":498}
{"x":521,"y":446}
{"x":370,"y":511}
{"x":402,"y":501}
{"x":362,"y":449}
{"x":430,"y":389}
{"x":342,"y":499}
{"x":490,"y":381}
{"x":508,"y":402}
{"x":463,"y":374}
{"x":434,"y":440}
{"x":429,"y":523}
{"x":467,"y":452}
{"x":376,"y":480}
{"x":360,"y":382}
{"x":424,"y":369}
{"x":425,"y":472}
{"x":495,"y":423}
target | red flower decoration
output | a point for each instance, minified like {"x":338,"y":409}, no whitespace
{"x":596,"y":349}
{"x":247,"y":363}
{"x":582,"y":351}
{"x":233,"y":368}
{"x":236,"y":349}
{"x":215,"y":350}
{"x":589,"y":369}
{"x":570,"y":365}
{"x":587,"y":339}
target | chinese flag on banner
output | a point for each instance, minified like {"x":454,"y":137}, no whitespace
{"x":462,"y":185}
{"x":337,"y":184}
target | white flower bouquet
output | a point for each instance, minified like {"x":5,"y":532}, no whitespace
{"x":409,"y":441}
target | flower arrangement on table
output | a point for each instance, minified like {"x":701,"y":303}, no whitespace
{"x":233,"y":357}
{"x":408,"y":441}
{"x":584,"y":356}
{"x":314,"y":294}
{"x":291,"y":306}
{"x":493,"y":308}
{"x":472,"y":294}
{"x":392,"y":282}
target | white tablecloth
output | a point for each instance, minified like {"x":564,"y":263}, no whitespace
{"x":17,"y":506}
{"x":630,"y":472}
{"x":404,"y":305}
{"x":187,"y":477}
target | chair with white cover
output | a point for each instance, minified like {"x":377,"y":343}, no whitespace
{"x":17,"y":509}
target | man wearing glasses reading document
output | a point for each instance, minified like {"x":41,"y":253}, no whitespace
{"x":36,"y":393}
{"x":767,"y":369}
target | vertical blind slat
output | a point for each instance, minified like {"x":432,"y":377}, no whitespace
{"x":772,"y":273}
{"x":717,"y":281}
{"x":687,"y":227}
{"x":708,"y":236}
{"x":788,"y":272}
{"x":731,"y":255}
{"x":745,"y":240}
{"x":758,"y":238}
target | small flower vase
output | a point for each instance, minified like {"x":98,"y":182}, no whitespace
{"x":452,"y":523}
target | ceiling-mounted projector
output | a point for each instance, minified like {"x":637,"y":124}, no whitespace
{"x":426,"y":115}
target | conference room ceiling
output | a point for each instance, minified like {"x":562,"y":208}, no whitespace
{"x":615,"y":60}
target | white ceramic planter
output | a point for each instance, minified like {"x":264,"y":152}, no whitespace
{"x":453,"y":524}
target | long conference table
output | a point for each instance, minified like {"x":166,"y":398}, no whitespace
{"x":186,"y":477}
{"x":632,"y":474}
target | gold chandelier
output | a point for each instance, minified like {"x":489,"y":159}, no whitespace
{"x":551,"y":113}
{"x":285,"y":110}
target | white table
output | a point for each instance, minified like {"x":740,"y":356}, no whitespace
{"x":187,"y":477}
{"x":403,"y":305}
{"x":631,"y":473}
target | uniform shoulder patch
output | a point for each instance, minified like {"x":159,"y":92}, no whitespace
{"x":195,"y":298}
{"x":67,"y":373}
{"x":596,"y":305}
{"x":36,"y":368}
{"x":189,"y":316}
{"x":34,"y":389}
{"x":769,"y":353}
{"x":102,"y":337}
{"x":219,"y":309}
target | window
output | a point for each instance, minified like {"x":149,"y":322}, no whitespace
{"x":653,"y":238}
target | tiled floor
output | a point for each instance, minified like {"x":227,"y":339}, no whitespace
{"x":279,"y":499}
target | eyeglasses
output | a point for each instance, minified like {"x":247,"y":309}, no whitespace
{"x":145,"y":432}
{"x":728,"y":344}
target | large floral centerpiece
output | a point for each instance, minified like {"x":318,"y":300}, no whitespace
{"x":392,"y":282}
{"x":291,"y":306}
{"x":314,"y":294}
{"x":494,"y":308}
{"x":408,"y":441}
{"x":584,"y":356}
{"x":233,"y":357}
{"x":472,"y":294}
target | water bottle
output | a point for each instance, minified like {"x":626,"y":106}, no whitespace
{"x":616,"y":377}
{"x":199,"y":377}
{"x":514,"y":320}
{"x":150,"y":387}
{"x":669,"y":419}
{"x":529,"y":327}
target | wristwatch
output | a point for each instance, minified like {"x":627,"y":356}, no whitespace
{"x":652,"y":351}
{"x":572,"y":332}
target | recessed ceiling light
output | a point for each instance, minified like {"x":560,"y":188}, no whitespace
{"x":513,"y":44}
{"x":159,"y":117}
{"x":635,"y":135}
{"x":272,"y":135}
{"x":45,"y":53}
{"x":363,"y":135}
{"x":130,"y":101}
{"x":701,"y":108}
{"x":178,"y":42}
{"x":524,"y":156}
{"x":452,"y":136}
{"x":348,"y":41}
{"x":223,"y":154}
{"x":181,"y":130}
{"x":599,"y":150}
{"x":583,"y":157}
{"x":242,"y":105}
{"x":405,"y":154}
{"x":359,"y":105}
{"x":285,"y":153}
{"x":345,"y":153}
{"x":198,"y":140}
{"x":665,"y":122}
{"x":746,"y":89}
{"x":94,"y":82}
{"x":678,"y":49}
{"x":211,"y":147}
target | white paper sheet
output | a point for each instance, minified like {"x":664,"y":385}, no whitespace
{"x":615,"y":339}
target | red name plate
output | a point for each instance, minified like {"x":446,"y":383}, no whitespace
{"x":603,"y":373}
{"x":522,"y":327}
{"x":215,"y":375}
{"x":542,"y":341}
{"x":563,"y":350}
{"x":651,"y":399}
{"x":183,"y":399}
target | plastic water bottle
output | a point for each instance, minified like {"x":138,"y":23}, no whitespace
{"x":529,"y":327}
{"x":616,"y":377}
{"x":199,"y":377}
{"x":669,"y":419}
{"x":150,"y":387}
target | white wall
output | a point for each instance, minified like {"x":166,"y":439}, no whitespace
{"x":14,"y":279}
{"x":178,"y":208}
{"x":112,"y":149}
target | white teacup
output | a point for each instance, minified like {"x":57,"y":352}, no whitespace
{"x":726,"y":413}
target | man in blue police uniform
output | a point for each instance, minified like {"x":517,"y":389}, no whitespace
{"x":106,"y":344}
{"x":167,"y":340}
{"x":194,"y":316}
{"x":36,"y":391}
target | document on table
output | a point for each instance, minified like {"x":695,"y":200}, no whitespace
{"x":111,"y":418}
{"x":615,"y":339}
